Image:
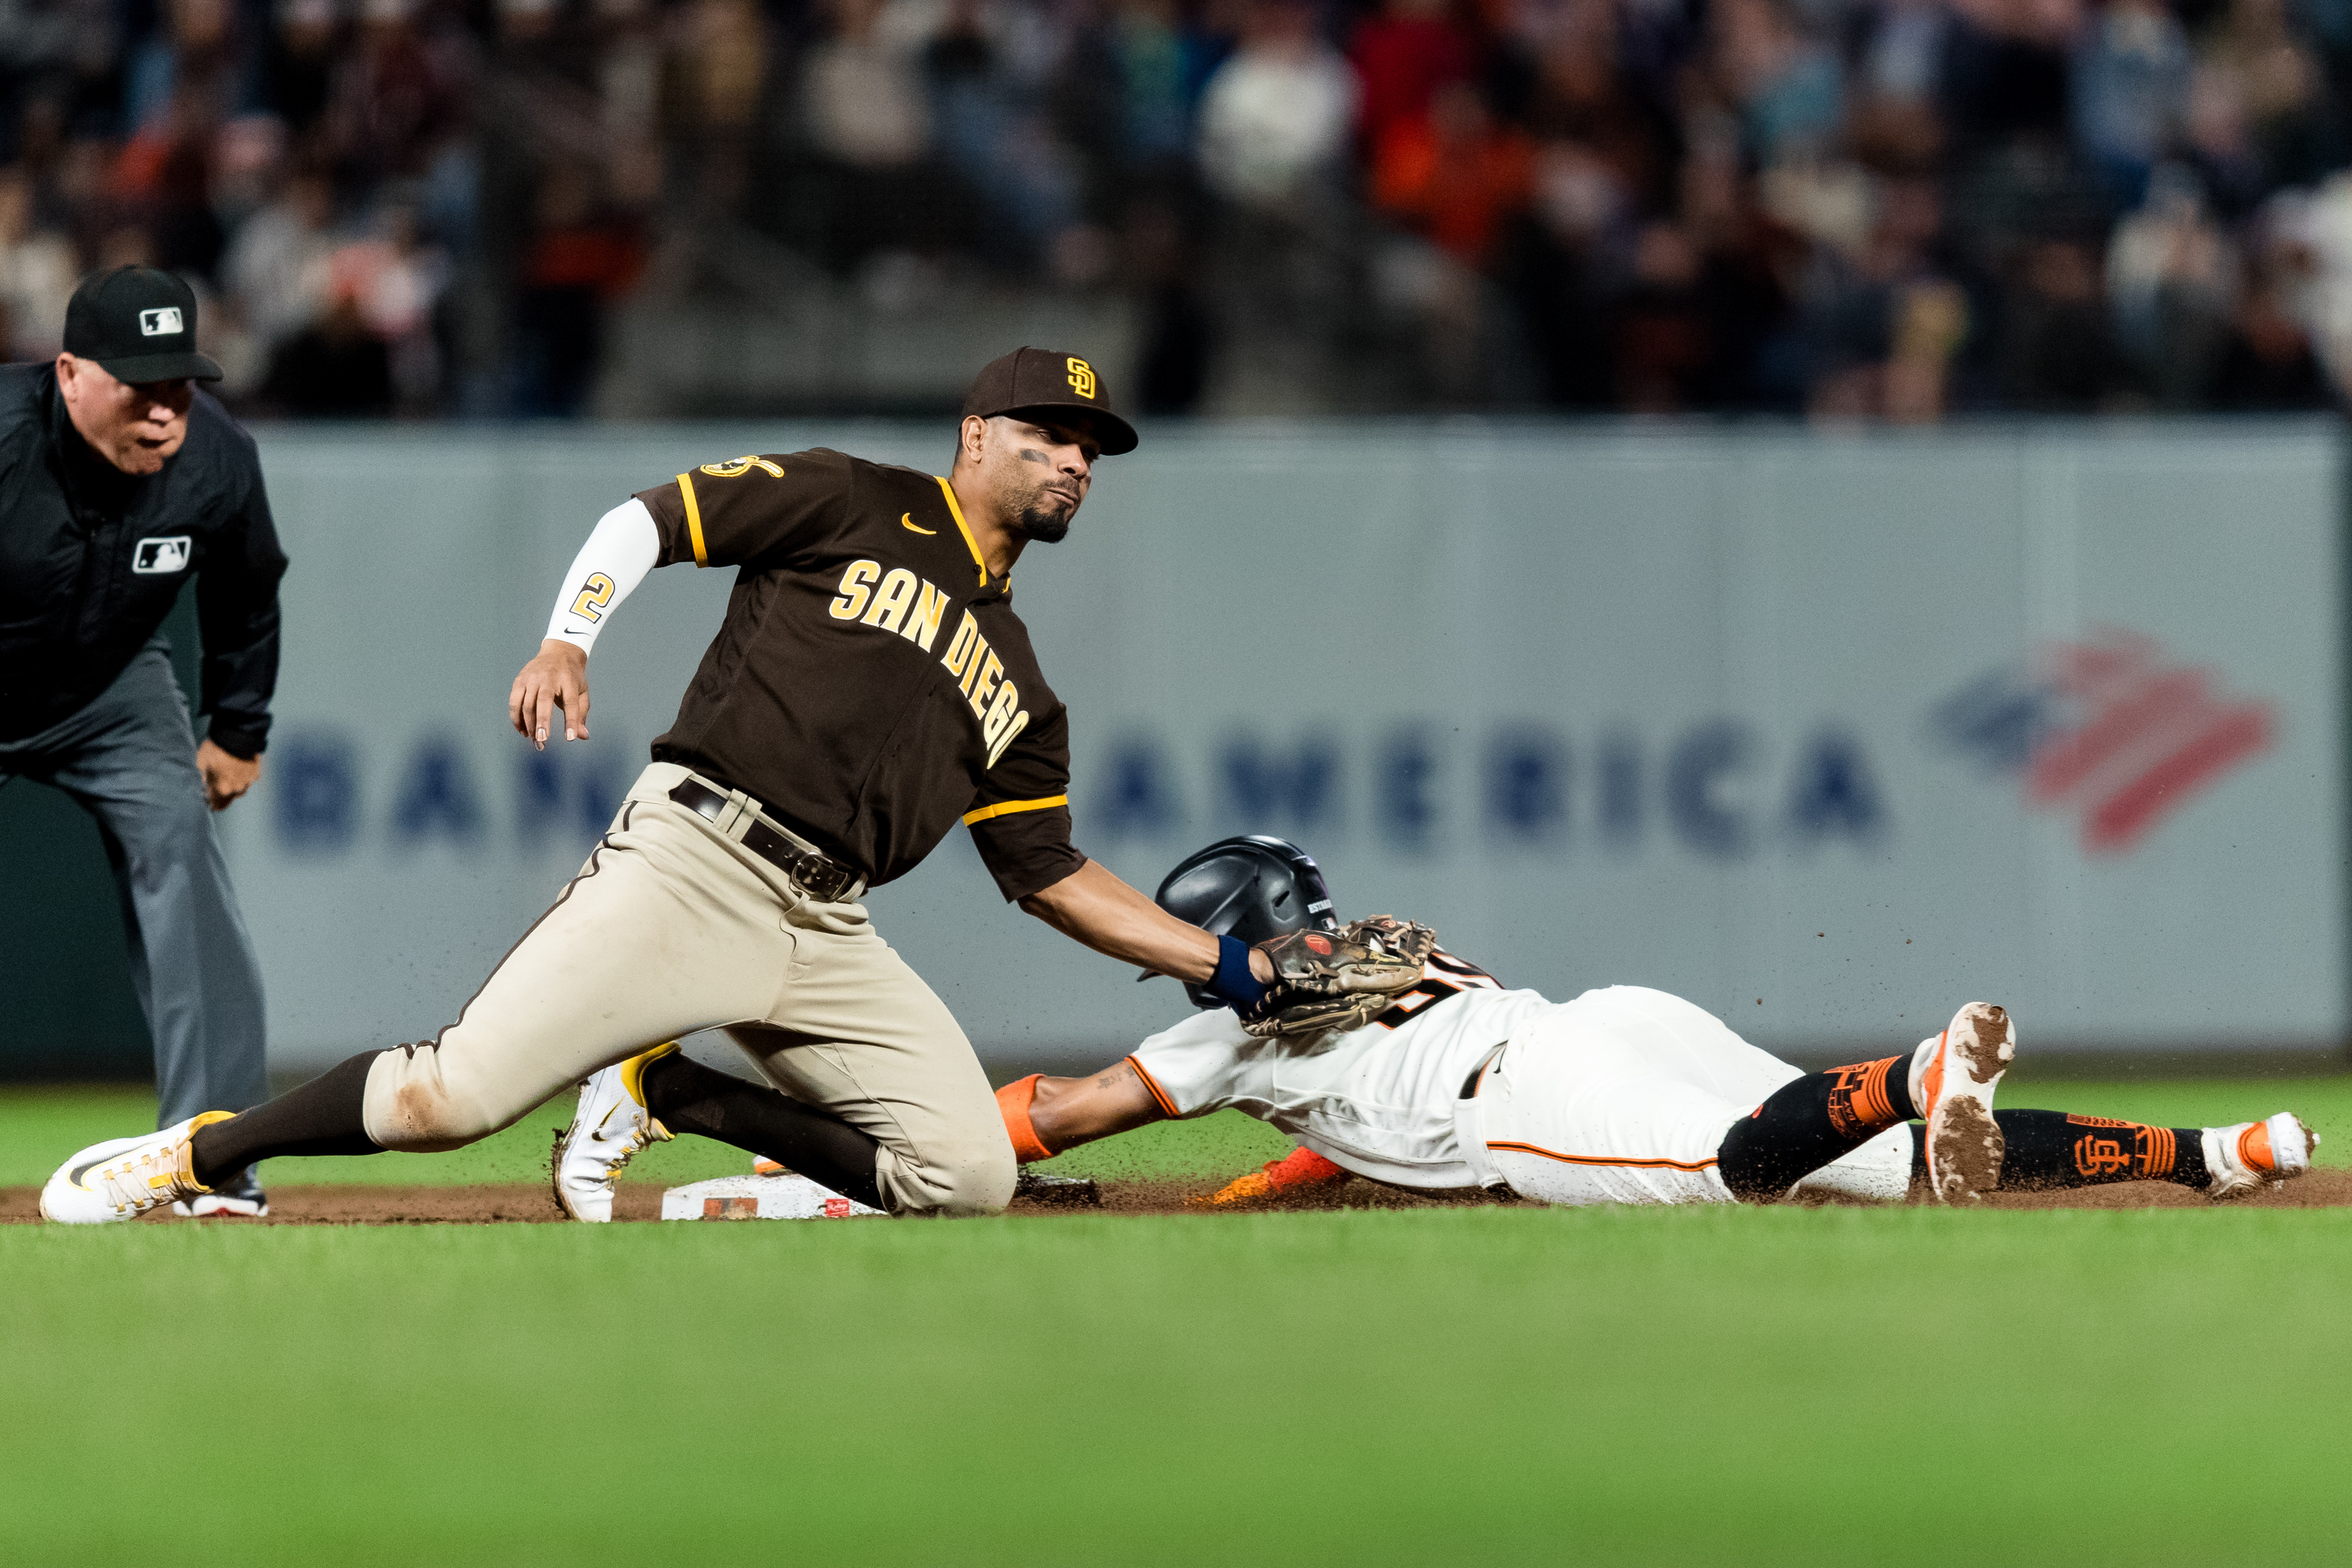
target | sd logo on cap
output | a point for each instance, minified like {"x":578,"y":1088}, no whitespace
{"x":1039,"y":381}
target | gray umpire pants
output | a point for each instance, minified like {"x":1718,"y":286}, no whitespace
{"x":129,"y":758}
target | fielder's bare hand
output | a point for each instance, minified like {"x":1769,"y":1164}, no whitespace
{"x":226,"y":777}
{"x":558,"y":678}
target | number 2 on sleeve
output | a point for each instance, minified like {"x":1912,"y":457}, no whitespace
{"x":594,"y":594}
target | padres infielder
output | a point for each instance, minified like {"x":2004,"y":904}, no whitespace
{"x":1623,"y":1095}
{"x":869,"y":687}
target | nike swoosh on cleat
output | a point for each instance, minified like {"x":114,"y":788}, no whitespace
{"x":906,"y":518}
{"x":74,"y":1177}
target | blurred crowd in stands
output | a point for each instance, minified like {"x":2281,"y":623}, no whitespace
{"x":1889,"y":209}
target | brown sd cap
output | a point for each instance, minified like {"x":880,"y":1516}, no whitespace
{"x":1043,"y":379}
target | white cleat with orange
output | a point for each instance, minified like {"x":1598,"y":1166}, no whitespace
{"x":1953,"y":1079}
{"x":2250,"y":1155}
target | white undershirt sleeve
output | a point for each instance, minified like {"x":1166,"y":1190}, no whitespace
{"x":615,"y":559}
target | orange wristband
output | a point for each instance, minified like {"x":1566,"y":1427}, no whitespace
{"x":1013,"y":1100}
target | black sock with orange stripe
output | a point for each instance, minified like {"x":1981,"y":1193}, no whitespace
{"x":1806,"y":1124}
{"x":2050,"y":1149}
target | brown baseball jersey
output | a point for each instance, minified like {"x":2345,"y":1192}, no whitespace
{"x":870,"y":684}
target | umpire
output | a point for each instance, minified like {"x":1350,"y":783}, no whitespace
{"x":118,"y":482}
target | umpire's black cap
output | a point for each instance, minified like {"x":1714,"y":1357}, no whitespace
{"x":1045,"y":379}
{"x":138,"y":324}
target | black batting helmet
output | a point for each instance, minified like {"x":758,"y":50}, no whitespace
{"x":1250,"y":889}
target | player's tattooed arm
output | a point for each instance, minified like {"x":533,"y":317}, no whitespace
{"x":1068,"y":1112}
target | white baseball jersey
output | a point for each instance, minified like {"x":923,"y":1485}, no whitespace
{"x":1378,"y":1100}
{"x":1620,"y":1096}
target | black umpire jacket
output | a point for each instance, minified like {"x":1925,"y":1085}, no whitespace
{"x":91,"y":560}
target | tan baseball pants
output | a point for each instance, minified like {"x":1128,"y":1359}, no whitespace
{"x":672,"y":927}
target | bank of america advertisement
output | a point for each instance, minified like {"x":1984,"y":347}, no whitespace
{"x":1827,"y":733}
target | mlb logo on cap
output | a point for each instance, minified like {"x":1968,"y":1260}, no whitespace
{"x":138,"y":325}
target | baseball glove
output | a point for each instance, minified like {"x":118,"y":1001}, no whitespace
{"x":1337,"y":980}
{"x":1400,"y":937}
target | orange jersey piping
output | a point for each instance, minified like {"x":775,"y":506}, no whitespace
{"x":1157,"y":1092}
{"x":1597,"y":1160}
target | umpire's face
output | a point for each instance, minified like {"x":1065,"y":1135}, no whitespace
{"x":134,"y":424}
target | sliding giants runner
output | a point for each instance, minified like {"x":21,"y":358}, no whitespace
{"x":1623,"y":1095}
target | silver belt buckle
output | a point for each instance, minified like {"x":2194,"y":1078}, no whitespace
{"x":824,"y":880}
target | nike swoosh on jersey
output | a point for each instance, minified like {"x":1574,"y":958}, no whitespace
{"x":907,"y":519}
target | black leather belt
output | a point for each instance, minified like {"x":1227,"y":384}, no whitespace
{"x":826,"y":881}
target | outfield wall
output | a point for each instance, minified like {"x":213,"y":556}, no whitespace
{"x":1827,"y":734}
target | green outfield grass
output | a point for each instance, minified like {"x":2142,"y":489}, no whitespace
{"x":1711,"y":1385}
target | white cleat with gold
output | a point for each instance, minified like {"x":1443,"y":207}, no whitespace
{"x":125,"y":1177}
{"x":611,"y":1125}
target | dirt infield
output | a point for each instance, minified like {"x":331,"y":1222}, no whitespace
{"x":359,"y":1205}
{"x":2319,"y":1190}
{"x":513,"y":1202}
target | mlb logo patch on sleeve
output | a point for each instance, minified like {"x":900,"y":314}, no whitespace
{"x":159,"y":556}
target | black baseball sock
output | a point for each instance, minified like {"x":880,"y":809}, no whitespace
{"x":322,"y":1117}
{"x":688,"y":1097}
{"x":2050,"y":1149}
{"x":1806,"y":1124}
